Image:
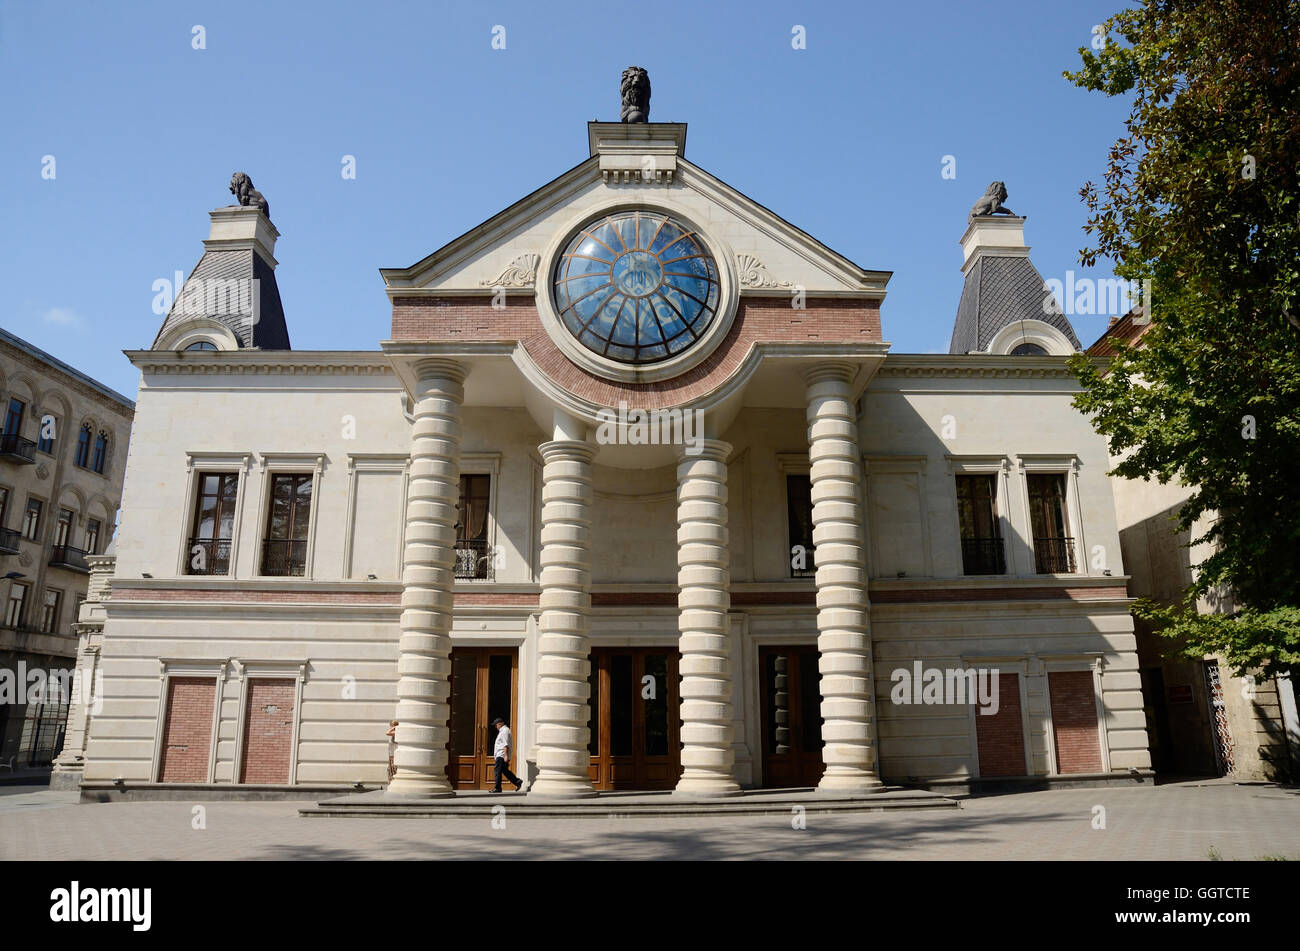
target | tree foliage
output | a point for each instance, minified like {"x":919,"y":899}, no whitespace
{"x":1201,"y":196}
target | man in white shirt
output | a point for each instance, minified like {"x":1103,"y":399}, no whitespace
{"x":501,"y":752}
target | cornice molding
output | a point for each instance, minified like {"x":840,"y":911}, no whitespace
{"x":263,"y":362}
{"x":975,"y":367}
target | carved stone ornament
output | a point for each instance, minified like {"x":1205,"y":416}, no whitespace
{"x":42,"y":471}
{"x":754,"y":273}
{"x":521,"y":272}
{"x":241,"y":186}
{"x":25,"y":560}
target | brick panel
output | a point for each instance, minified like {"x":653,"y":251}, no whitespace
{"x":1074,"y":721}
{"x":187,"y":732}
{"x":1000,"y":738}
{"x":268,"y":731}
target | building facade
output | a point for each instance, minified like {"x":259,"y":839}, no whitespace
{"x":62,"y":459}
{"x":633,"y":467}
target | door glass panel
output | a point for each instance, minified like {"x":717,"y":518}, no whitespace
{"x":593,"y":708}
{"x":776,"y":678}
{"x":499,"y":666}
{"x":810,"y":703}
{"x":623,"y":697}
{"x":656,"y":707}
{"x":463,"y":690}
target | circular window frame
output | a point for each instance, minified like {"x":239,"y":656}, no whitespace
{"x":605,"y":367}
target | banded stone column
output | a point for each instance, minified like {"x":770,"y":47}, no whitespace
{"x":703,"y":600}
{"x":563,"y":653}
{"x":424,"y":664}
{"x":843,"y":636}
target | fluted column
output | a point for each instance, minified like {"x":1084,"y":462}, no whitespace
{"x":703,"y":600}
{"x":843,"y":636}
{"x":424,"y":664}
{"x":563,"y":653}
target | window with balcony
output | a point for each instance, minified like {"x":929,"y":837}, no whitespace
{"x":12,"y":444}
{"x":8,"y":536}
{"x":799,"y":506}
{"x":214,"y":523}
{"x":49,"y":426}
{"x":14,"y":417}
{"x":284,"y":550}
{"x":32,"y":519}
{"x":93,"y":528}
{"x":16,"y":606}
{"x":50,"y":611}
{"x":1053,"y":546}
{"x":100,"y":458}
{"x":63,"y":530}
{"x":473,"y":558}
{"x":982,"y":551}
{"x":82,"y":459}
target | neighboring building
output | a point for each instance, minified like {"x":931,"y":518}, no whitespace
{"x":449,"y":528}
{"x":1201,"y":719}
{"x":62,"y":457}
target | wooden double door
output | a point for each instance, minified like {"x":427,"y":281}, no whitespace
{"x":484,"y":686}
{"x":635,"y":718}
{"x":792,"y":720}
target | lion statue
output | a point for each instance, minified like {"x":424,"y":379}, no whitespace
{"x":991,"y":203}
{"x":241,"y":186}
{"x":635,"y":88}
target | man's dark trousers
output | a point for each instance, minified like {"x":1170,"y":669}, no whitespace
{"x":503,"y":769}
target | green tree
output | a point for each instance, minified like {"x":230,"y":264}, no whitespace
{"x":1201,"y":197}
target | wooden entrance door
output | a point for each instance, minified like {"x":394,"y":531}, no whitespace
{"x":635,"y":718}
{"x":792,"y":721}
{"x":484,"y":682}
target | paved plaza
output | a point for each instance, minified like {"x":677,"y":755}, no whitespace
{"x":1187,"y":821}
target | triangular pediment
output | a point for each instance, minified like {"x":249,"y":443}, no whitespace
{"x":770,"y":255}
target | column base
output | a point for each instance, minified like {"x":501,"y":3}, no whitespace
{"x":857,"y":785}
{"x":706,"y":787}
{"x":562,"y":788}
{"x":418,"y":787}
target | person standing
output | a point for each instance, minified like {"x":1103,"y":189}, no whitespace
{"x":501,"y":753}
{"x":392,"y":748}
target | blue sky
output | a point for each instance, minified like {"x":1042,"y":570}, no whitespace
{"x":845,"y":139}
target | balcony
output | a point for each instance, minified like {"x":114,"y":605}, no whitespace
{"x":17,"y":449}
{"x":284,"y":557}
{"x":1054,"y":556}
{"x":208,"y":556}
{"x":65,"y":556}
{"x":473,"y":560}
{"x":983,"y":556}
{"x":9,"y":541}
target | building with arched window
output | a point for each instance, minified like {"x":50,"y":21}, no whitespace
{"x":634,"y":467}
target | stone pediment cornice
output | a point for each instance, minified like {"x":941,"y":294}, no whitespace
{"x":263,"y":362}
{"x":975,"y":367}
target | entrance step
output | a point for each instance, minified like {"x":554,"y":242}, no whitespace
{"x":619,"y":805}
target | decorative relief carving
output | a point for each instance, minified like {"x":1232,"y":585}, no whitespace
{"x":754,"y":273}
{"x":521,"y":272}
{"x":42,"y":471}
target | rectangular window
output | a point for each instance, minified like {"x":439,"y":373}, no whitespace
{"x":284,"y":550}
{"x":63,"y":530}
{"x":83,"y":448}
{"x":214,"y":524}
{"x":798,"y":505}
{"x":473,"y":560}
{"x":982,"y":552}
{"x":4,"y":506}
{"x":45,"y":440}
{"x":16,"y":607}
{"x":100,"y":459}
{"x":32,"y":519}
{"x":14,"y":417}
{"x":93,"y":527}
{"x":1053,"y":547}
{"x":50,"y":611}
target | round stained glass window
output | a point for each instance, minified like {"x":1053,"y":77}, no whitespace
{"x":636,"y":287}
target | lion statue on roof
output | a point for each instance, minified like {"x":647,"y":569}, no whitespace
{"x":991,"y":203}
{"x":241,"y":186}
{"x":635,"y":87}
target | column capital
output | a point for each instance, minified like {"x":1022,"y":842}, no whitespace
{"x":831,"y":371}
{"x":704,"y":449}
{"x":435,"y":368}
{"x":567,"y":450}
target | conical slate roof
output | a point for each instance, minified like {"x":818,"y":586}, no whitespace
{"x":237,"y":288}
{"x":1002,"y":290}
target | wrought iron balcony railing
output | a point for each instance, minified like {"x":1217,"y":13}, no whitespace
{"x":9,"y":541}
{"x":473,"y":560}
{"x":17,"y":449}
{"x":284,"y":557}
{"x":208,"y":556}
{"x":65,"y":556}
{"x":1054,"y":556}
{"x":983,"y":556}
